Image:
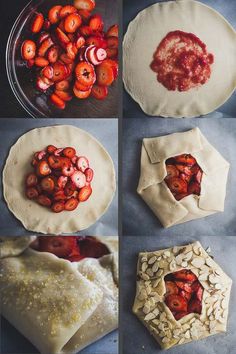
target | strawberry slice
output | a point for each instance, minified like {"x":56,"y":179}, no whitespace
{"x":171,"y":288}
{"x":81,"y":87}
{"x":194,"y":188}
{"x":70,"y":188}
{"x":44,"y":47}
{"x":185,"y":177}
{"x":90,"y":247}
{"x":99,"y":92}
{"x":65,"y":162}
{"x":185,"y":275}
{"x":177,"y":185}
{"x":42,"y":37}
{"x":112,"y":53}
{"x":184,"y":286}
{"x":100,"y":54}
{"x":47,"y":184}
{"x":59,"y":196}
{"x":85,"y":73}
{"x":62,"y":37}
{"x":79,"y":42}
{"x":71,"y":204}
{"x":184,"y":169}
{"x":67,"y":10}
{"x":113,"y":64}
{"x":82,"y":163}
{"x":88,"y":5}
{"x":112,"y":42}
{"x":62,"y":85}
{"x":58,"y":207}
{"x":61,"y":246}
{"x":172,"y":171}
{"x":43,"y":168}
{"x":96,"y":23}
{"x":84,"y":193}
{"x":176,"y":303}
{"x":85,"y":31}
{"x":65,"y":96}
{"x":113,"y":31}
{"x":89,"y":174}
{"x":180,"y":315}
{"x":41,"y":84}
{"x":68,"y":171}
{"x":44,"y":200}
{"x":37,"y":23}
{"x":30,"y":63}
{"x":47,"y":72}
{"x":54,"y":162}
{"x":28,"y":49}
{"x":40,"y":154}
{"x":62,"y":180}
{"x":46,"y":24}
{"x":198,"y":176}
{"x":199,"y":293}
{"x":58,"y":152}
{"x":69,"y":152}
{"x":72,"y":22}
{"x":53,"y":54}
{"x":195,"y":306}
{"x":71,"y":51}
{"x":51,"y":149}
{"x":81,"y":94}
{"x":79,"y":179}
{"x":105,"y":74}
{"x":185,"y":159}
{"x":94,"y":40}
{"x":41,"y":62}
{"x":31,"y":193}
{"x":185,"y":294}
{"x":54,"y":14}
{"x":90,"y":54}
{"x":31,"y":180}
{"x":85,"y":15}
{"x":59,"y":72}
{"x":57,"y":101}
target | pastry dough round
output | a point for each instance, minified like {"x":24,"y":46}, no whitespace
{"x":37,"y":218}
{"x":143,"y":36}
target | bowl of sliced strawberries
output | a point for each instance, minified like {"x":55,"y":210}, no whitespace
{"x":62,"y":58}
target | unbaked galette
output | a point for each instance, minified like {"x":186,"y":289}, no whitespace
{"x":182,"y":294}
{"x":60,"y":292}
{"x":183,"y":177}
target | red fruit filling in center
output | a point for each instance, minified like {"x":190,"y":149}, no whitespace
{"x":184,"y":176}
{"x":182,"y":62}
{"x":183,"y":293}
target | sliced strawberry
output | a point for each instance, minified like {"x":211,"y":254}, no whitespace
{"x":184,"y":169}
{"x":67,"y":10}
{"x":65,"y":162}
{"x":44,"y":200}
{"x":54,"y":162}
{"x":62,"y":180}
{"x":112,"y":42}
{"x":44,"y":47}
{"x":177,"y":185}
{"x":65,"y":96}
{"x":88,"y":5}
{"x":82,"y":163}
{"x":62,"y":85}
{"x":40,"y":154}
{"x":195,"y":306}
{"x":187,"y":295}
{"x":57,"y":101}
{"x":85,"y":31}
{"x":53,"y":54}
{"x":59,"y":72}
{"x":31,"y":193}
{"x":70,"y":189}
{"x":176,"y":303}
{"x":79,"y":179}
{"x":172,"y":171}
{"x":37,"y":23}
{"x":62,"y":37}
{"x":112,"y":53}
{"x":30,"y":63}
{"x":91,"y":56}
{"x":113,"y":64}
{"x":185,"y":159}
{"x":85,"y":73}
{"x":81,"y":87}
{"x":58,"y":207}
{"x":46,"y":24}
{"x":39,"y":189}
{"x":54,"y":14}
{"x":74,"y":159}
{"x":81,"y":94}
{"x":61,"y":246}
{"x":194,"y":188}
{"x":171,"y":288}
{"x":51,"y":149}
{"x":198,"y":176}
{"x":71,"y":50}
{"x":199,"y":293}
{"x":58,"y":152}
{"x":105,"y":74}
{"x":31,"y":180}
{"x":42,"y":37}
{"x":41,"y":62}
{"x":68,"y":171}
{"x":100,"y":54}
{"x":96,"y":23}
{"x":42,"y":85}
{"x":80,"y":41}
{"x":84,"y":193}
{"x":28,"y":49}
{"x":47,"y":184}
{"x":180,"y":315}
{"x":184,"y":286}
{"x":113,"y":31}
{"x":72,"y":22}
{"x":85,"y":15}
{"x":47,"y":72}
{"x":46,"y":81}
{"x":185,"y":275}
{"x":94,"y":40}
{"x":59,"y":195}
{"x":185,"y":177}
{"x":90,"y":247}
{"x":69,"y":152}
{"x":43,"y":168}
{"x":99,"y":92}
{"x":89,"y":174}
{"x":71,"y":204}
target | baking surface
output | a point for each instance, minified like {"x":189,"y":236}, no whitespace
{"x":136,"y":338}
{"x":131,"y":109}
{"x":219,"y":132}
{"x":104,"y":130}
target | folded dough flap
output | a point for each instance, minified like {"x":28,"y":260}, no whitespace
{"x":45,"y":298}
{"x":13,"y":246}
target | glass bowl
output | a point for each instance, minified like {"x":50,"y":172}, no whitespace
{"x":22,"y":80}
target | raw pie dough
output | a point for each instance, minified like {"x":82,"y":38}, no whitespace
{"x":38,"y":218}
{"x":143,"y":36}
{"x":153,"y":189}
{"x":150,"y":308}
{"x":60,"y":306}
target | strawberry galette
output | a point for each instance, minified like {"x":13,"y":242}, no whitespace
{"x":173,"y":64}
{"x":182,"y":177}
{"x":58,"y":169}
{"x":182,"y":294}
{"x":60,"y":304}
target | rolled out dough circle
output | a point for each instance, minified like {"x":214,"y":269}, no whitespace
{"x":37,"y":218}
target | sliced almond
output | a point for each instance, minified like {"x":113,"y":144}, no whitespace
{"x":196,"y":250}
{"x":149,"y":272}
{"x":165,"y":340}
{"x":213,"y":279}
{"x":188,"y":256}
{"x":198,"y":262}
{"x":156,"y":311}
{"x":218,"y":286}
{"x":187,"y":334}
{"x":181,"y":341}
{"x":152,"y":260}
{"x":144,"y":267}
{"x":146,"y":308}
{"x":203,"y":276}
{"x":155,"y":283}
{"x":144,"y":276}
{"x":144,"y":259}
{"x":175,"y":249}
{"x":172,"y":265}
{"x":155,"y":267}
{"x":167,"y":253}
{"x":150,"y":316}
{"x":142,"y":295}
{"x":179,"y":259}
{"x":160,"y":272}
{"x":184,"y":264}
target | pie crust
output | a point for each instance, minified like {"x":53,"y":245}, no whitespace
{"x":149,"y":305}
{"x":38,"y":218}
{"x":67,"y":306}
{"x":153,"y":189}
{"x":144,"y":34}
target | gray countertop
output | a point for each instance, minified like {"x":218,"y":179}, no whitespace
{"x":227,"y":8}
{"x":136,"y":338}
{"x":138,"y":219}
{"x":104,"y":130}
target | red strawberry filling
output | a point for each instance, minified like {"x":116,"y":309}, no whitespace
{"x":61,"y":180}
{"x":183,"y":293}
{"x":69,"y":53}
{"x":72,"y":248}
{"x":184,"y":176}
